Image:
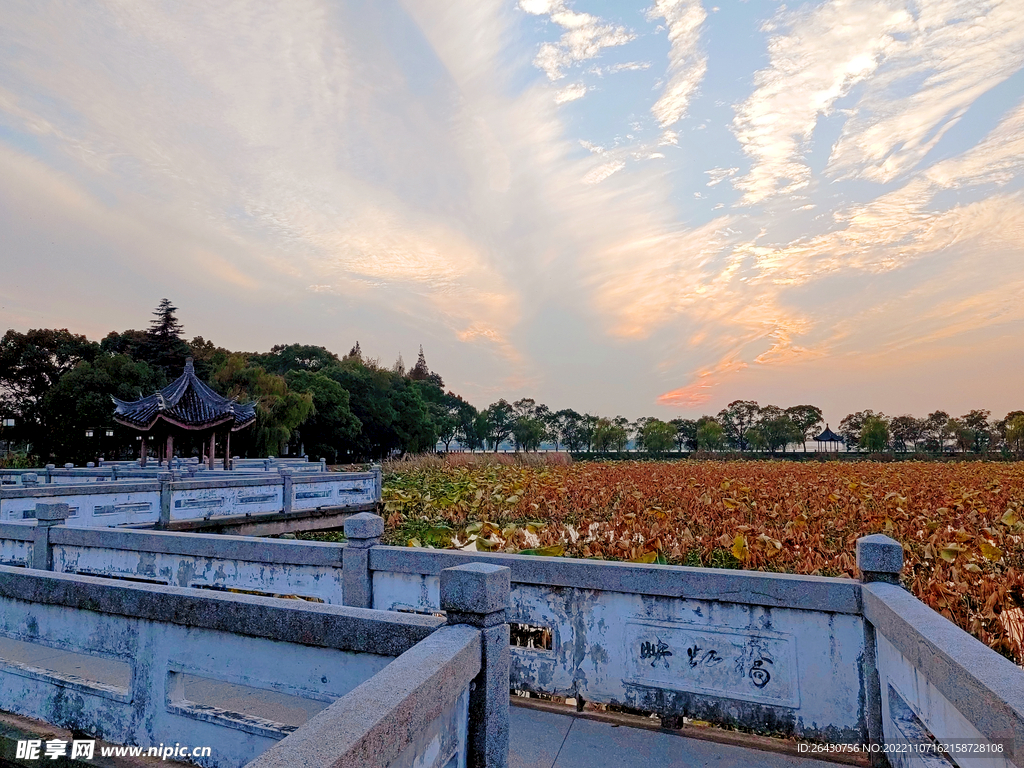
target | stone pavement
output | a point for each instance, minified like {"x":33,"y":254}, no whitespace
{"x":542,"y":739}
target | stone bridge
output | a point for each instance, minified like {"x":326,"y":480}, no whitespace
{"x":261,"y":498}
{"x":824,"y":661}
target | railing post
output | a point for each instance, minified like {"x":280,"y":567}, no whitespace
{"x":164,"y":479}
{"x":378,"y":485}
{"x":30,"y":479}
{"x":47,"y":516}
{"x":879,"y":558}
{"x":49,"y":469}
{"x":362,"y":531}
{"x":478,"y":594}
{"x":287,"y":495}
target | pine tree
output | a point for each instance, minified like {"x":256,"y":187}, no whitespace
{"x":165,"y":347}
{"x":166,"y":324}
{"x":355,"y":352}
{"x":420,"y":371}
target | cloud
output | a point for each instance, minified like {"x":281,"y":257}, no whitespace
{"x":952,"y":53}
{"x":571,"y":93}
{"x":718,"y":175}
{"x":629,"y":66}
{"x":242,"y":127}
{"x":420,"y":176}
{"x":701,"y":390}
{"x":825,"y":51}
{"x":602,"y":172}
{"x":584,"y":38}
{"x":902,"y":226}
{"x":687,"y":65}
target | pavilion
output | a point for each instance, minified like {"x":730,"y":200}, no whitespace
{"x":828,"y":436}
{"x":185,"y":407}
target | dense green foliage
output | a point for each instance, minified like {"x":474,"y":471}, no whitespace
{"x":56,"y":388}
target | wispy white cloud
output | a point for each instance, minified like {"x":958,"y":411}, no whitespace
{"x":951,"y":53}
{"x":687,"y":64}
{"x":901,"y":226}
{"x":584,"y":37}
{"x":571,"y":93}
{"x":603,"y":171}
{"x":718,"y":175}
{"x":824,"y":51}
{"x":629,"y":66}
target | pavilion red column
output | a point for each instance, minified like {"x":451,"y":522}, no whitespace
{"x":227,"y":449}
{"x":142,"y":451}
{"x":169,"y":451}
{"x":213,"y":449}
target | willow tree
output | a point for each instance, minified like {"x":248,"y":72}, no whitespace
{"x":279,"y":410}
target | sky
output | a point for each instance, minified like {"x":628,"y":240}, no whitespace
{"x":622,"y":208}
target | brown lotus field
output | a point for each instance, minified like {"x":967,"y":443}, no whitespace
{"x":961,"y":524}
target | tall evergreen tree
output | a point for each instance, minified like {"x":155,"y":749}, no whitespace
{"x":420,"y":371}
{"x":166,"y":350}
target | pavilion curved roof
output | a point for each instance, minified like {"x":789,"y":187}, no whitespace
{"x":828,"y":436}
{"x":187,"y":403}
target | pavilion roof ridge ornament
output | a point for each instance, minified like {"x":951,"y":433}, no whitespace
{"x":187,"y":403}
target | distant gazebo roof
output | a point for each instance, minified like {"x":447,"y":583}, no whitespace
{"x":186,"y":403}
{"x":828,"y":436}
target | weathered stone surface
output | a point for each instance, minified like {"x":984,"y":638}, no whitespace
{"x":879,"y":558}
{"x":783,"y":590}
{"x":375,"y":723}
{"x":475,"y":588}
{"x":328,"y":626}
{"x":51,"y":513}
{"x":357,"y":581}
{"x":220,"y":546}
{"x":362,"y":527}
{"x":985,"y":688}
{"x":489,"y":702}
{"x":478,"y":594}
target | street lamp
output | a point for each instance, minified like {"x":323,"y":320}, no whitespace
{"x":7,"y":422}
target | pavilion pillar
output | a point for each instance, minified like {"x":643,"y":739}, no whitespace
{"x":213,"y":449}
{"x":142,"y":451}
{"x":227,"y":449}
{"x":169,"y":450}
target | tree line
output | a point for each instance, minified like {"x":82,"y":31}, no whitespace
{"x":55,"y":389}
{"x":743,"y":425}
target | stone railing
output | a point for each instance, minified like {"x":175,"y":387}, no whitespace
{"x":935,"y":682}
{"x":113,"y":471}
{"x":830,"y":660}
{"x":174,"y":500}
{"x":147,"y":665}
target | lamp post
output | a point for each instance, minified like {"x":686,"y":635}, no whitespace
{"x":4,"y":424}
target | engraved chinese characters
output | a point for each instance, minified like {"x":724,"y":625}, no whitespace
{"x":755,"y":665}
{"x":656,"y":652}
